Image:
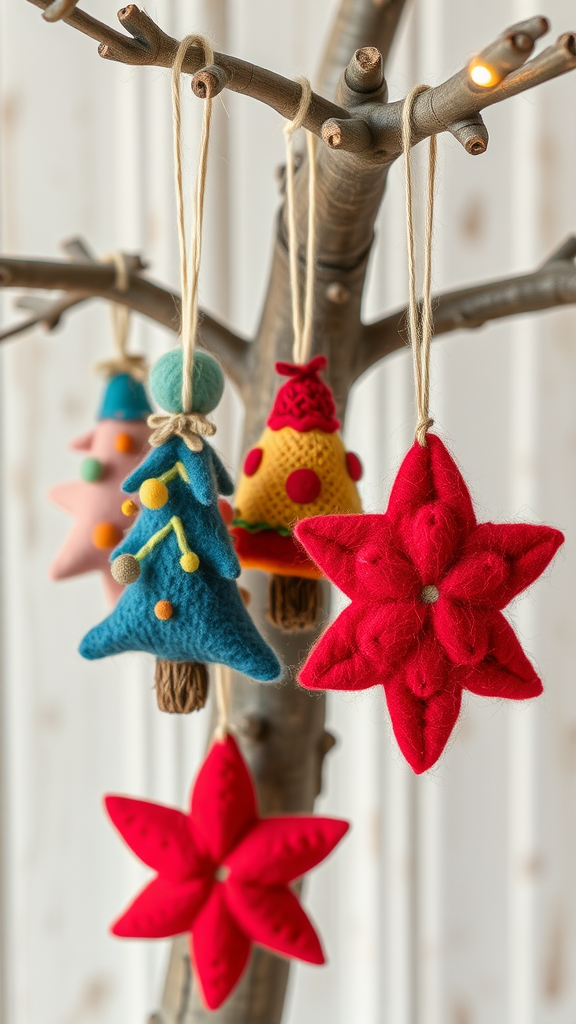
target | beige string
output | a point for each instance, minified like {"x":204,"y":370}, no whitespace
{"x":302,"y":330}
{"x":122,"y":362}
{"x":222,"y":682}
{"x":191,"y":428}
{"x":190,"y":264}
{"x":421,"y":325}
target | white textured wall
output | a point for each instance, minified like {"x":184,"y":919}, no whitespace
{"x":453,"y":900}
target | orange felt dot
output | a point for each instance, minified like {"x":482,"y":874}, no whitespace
{"x":129,"y":507}
{"x":106,"y":535}
{"x":163,"y":610}
{"x":124,"y":443}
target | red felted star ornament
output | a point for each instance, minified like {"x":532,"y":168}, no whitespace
{"x":427,"y":585}
{"x":224,"y":874}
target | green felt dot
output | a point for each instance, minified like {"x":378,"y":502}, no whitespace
{"x":91,"y":470}
{"x":166,"y":382}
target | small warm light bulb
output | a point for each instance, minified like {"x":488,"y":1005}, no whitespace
{"x":481,"y":75}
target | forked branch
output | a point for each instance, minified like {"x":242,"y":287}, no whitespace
{"x":372,"y":130}
{"x":552,"y":285}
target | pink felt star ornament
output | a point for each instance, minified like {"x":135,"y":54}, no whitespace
{"x":427,"y":584}
{"x":223,"y":873}
{"x":115,"y":448}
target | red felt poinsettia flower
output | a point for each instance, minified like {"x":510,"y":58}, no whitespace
{"x":427,"y":584}
{"x":223,"y":873}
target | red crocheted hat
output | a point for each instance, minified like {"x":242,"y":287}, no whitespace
{"x":304,"y":402}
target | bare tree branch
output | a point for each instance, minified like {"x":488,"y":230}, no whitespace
{"x":553,"y":284}
{"x":373,"y":130}
{"x":88,"y":280}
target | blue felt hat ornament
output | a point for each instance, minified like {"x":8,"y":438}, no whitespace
{"x":124,"y":399}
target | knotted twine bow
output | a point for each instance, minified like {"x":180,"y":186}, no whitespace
{"x":190,"y":426}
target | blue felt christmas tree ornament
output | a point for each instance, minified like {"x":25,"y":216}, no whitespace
{"x":177,"y":563}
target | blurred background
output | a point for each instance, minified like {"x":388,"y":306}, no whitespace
{"x":453,"y":901}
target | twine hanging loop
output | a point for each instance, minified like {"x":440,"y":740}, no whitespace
{"x":190,"y":426}
{"x":421,"y":322}
{"x":302,"y":327}
{"x":122,"y":362}
{"x":222,"y":679}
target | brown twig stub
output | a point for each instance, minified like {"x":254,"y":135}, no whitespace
{"x":471,"y":133}
{"x":294,"y":603}
{"x":365,"y":72}
{"x":352,"y":135}
{"x":507,"y":53}
{"x":209,"y":82}
{"x":357,"y":23}
{"x":59,"y":9}
{"x":181,"y":686}
{"x":435,"y":111}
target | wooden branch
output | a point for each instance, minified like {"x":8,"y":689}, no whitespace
{"x":86,"y":280}
{"x":46,"y":314}
{"x":552,"y":285}
{"x":147,"y":44}
{"x":286,"y":755}
{"x":373,"y":131}
{"x":358,"y":23}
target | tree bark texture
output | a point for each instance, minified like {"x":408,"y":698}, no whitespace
{"x":281,"y":727}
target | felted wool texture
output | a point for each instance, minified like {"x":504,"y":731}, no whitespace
{"x":304,"y":402}
{"x":262,"y":498}
{"x":209,"y":621}
{"x":427,"y":585}
{"x":98,"y":502}
{"x":166,"y":382}
{"x":223,"y":873}
{"x":299,"y":468}
{"x":124,"y":399}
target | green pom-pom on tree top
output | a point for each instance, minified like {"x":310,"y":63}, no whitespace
{"x":166,"y":382}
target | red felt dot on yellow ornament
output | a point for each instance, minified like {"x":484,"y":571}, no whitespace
{"x":163,"y":610}
{"x":105,"y":536}
{"x":303,"y":486}
{"x":124,"y":443}
{"x":252,"y":461}
{"x":354,"y":466}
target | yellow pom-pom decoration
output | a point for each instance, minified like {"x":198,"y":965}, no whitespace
{"x":163,"y":610}
{"x":153,"y":493}
{"x":129,"y":507}
{"x":106,"y":535}
{"x":124,"y":443}
{"x":190,"y":561}
{"x":125,"y":569}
